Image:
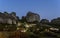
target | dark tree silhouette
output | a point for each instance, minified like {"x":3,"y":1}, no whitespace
{"x":45,"y":21}
{"x":13,"y":13}
{"x":56,"y":22}
{"x":5,"y":12}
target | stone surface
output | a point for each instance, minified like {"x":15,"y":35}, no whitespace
{"x":31,"y":17}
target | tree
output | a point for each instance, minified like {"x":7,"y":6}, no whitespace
{"x":23,"y":19}
{"x":0,"y":12}
{"x":17,"y":17}
{"x":13,"y":13}
{"x":45,"y":21}
{"x":6,"y":13}
{"x":56,"y":22}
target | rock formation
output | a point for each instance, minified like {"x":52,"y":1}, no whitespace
{"x":31,"y":17}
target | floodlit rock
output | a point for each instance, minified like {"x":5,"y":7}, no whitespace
{"x":31,"y":17}
{"x":8,"y":18}
{"x":54,"y":29}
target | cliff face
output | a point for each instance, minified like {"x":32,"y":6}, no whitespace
{"x":7,"y":18}
{"x":31,"y":17}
